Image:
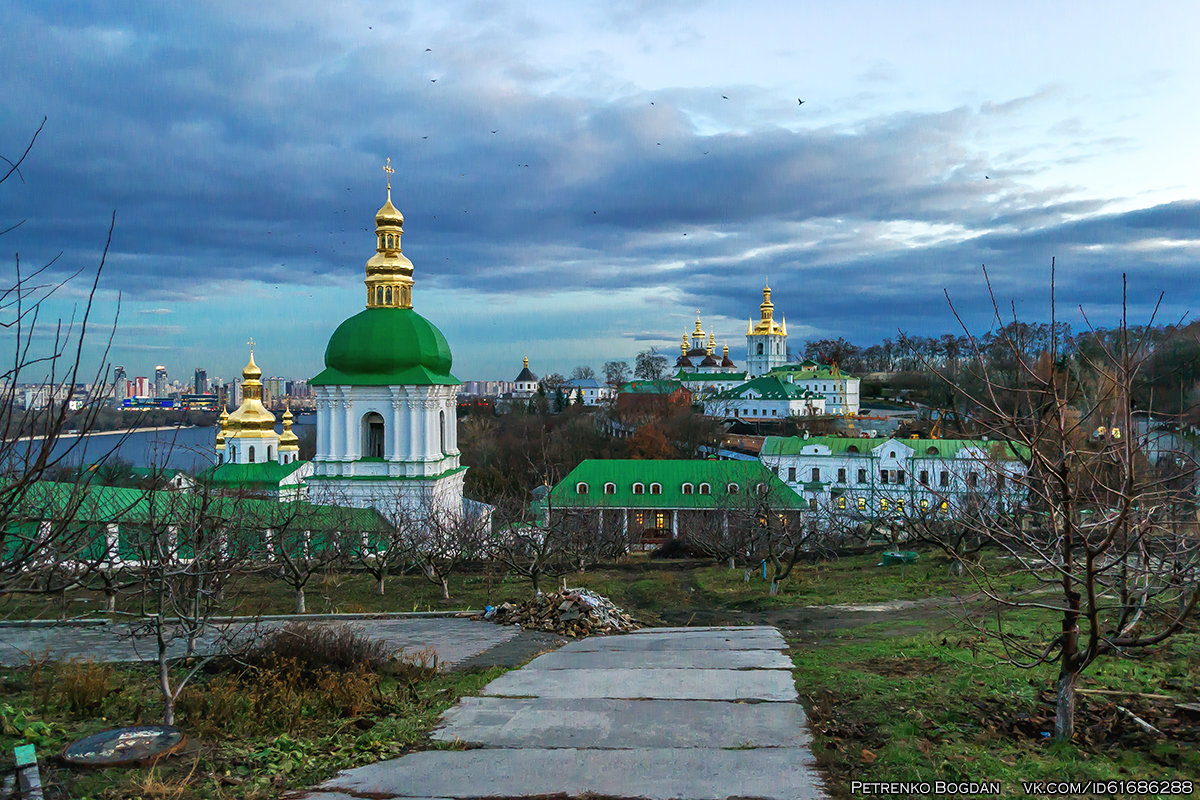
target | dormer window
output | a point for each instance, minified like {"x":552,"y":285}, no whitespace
{"x":733,"y":488}
{"x":656,"y":488}
{"x":581,"y":488}
{"x":639,"y":488}
{"x":705,"y":488}
{"x":688,"y":488}
{"x":610,"y":488}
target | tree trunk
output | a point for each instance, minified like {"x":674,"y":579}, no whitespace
{"x":731,"y":564}
{"x":379,"y":585}
{"x":774,"y":587}
{"x":110,"y":600}
{"x":445,"y":589}
{"x":300,"y":608}
{"x":1064,"y":713}
{"x":536,"y":577}
{"x":164,"y":686}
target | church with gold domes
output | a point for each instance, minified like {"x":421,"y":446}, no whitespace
{"x":252,"y":458}
{"x":386,"y":401}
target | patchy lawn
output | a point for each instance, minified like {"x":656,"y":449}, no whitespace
{"x":937,"y":705}
{"x":250,"y":736}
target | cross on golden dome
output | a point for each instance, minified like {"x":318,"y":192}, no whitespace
{"x":388,"y":169}
{"x":251,"y":343}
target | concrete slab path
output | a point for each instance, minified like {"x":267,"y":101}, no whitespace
{"x":697,"y":714}
{"x":454,"y":640}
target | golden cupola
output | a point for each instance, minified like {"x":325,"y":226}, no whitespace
{"x":289,"y":442}
{"x":712,"y":343}
{"x":766,"y":322}
{"x":252,"y":420}
{"x":389,"y":273}
{"x":222,"y":422}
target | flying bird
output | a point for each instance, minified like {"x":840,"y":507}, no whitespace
{"x":986,"y":178}
{"x":428,"y":49}
{"x":433,"y":80}
{"x":495,"y":131}
{"x":724,"y":97}
{"x":798,"y":100}
{"x":424,"y":137}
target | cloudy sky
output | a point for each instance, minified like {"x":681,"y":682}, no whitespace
{"x":578,"y":178}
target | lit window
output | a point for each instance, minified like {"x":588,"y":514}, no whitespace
{"x":841,"y":502}
{"x":925,"y":503}
{"x":862,"y":504}
{"x":883,"y":504}
{"x":660,"y":520}
{"x":944,"y":507}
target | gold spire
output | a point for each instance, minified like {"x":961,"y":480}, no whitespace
{"x":526,"y":362}
{"x":288,"y":441}
{"x":389,"y":272}
{"x":725,"y":351}
{"x":698,"y":332}
{"x":766,"y":323}
{"x":221,"y":423}
{"x":683,"y":346}
{"x":712,"y":344}
{"x":252,"y":420}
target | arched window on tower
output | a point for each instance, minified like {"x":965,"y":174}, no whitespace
{"x":251,"y":454}
{"x":760,"y":348}
{"x":442,"y":427}
{"x":388,"y":296}
{"x":379,"y":295}
{"x":268,"y":452}
{"x":372,"y":436}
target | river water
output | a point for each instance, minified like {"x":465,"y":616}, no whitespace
{"x":189,"y":449}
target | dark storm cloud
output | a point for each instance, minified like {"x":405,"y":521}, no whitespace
{"x":239,"y":149}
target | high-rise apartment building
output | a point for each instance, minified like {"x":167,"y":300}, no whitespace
{"x":160,"y":381}
{"x":200,"y":384}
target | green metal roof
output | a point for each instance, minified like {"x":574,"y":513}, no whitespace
{"x":651,"y":387}
{"x":698,"y":377}
{"x":769,"y":387}
{"x":923,"y":448}
{"x":387,"y":347}
{"x":671,"y":475}
{"x":85,"y":503}
{"x":809,"y":370}
{"x":264,"y":474}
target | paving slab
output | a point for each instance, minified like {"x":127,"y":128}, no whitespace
{"x":454,"y":640}
{"x":761,"y":629}
{"x":622,"y":724}
{"x":654,"y":659}
{"x":654,"y":684}
{"x":653,"y":774}
{"x":706,"y":641}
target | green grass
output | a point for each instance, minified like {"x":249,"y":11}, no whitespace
{"x":647,"y":590}
{"x":258,"y":760}
{"x":939,"y":705}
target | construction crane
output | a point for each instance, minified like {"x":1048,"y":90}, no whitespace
{"x":840,"y":385}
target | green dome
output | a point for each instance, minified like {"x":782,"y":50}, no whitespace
{"x":386,"y":347}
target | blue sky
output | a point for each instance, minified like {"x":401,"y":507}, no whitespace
{"x":649,"y":159}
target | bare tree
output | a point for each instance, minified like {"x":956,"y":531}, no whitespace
{"x":616,"y":373}
{"x":449,"y":538}
{"x":389,"y":547}
{"x":186,"y":548}
{"x":651,"y":365}
{"x":304,"y":540}
{"x":42,"y":397}
{"x":1112,"y":541}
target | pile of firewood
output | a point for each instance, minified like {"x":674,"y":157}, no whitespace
{"x":571,"y":612}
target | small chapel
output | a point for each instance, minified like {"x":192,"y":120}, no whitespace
{"x":387,"y":434}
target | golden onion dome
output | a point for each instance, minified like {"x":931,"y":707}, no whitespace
{"x":288,"y":441}
{"x":388,"y":215}
{"x":252,"y":420}
{"x":251,"y":372}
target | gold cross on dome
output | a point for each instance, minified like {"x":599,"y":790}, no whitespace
{"x":388,"y":169}
{"x":251,"y":343}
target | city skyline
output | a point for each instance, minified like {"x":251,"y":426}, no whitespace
{"x":576,"y":183}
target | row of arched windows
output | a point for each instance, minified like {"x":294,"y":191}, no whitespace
{"x":656,"y":488}
{"x":390,"y":296}
{"x":389,"y":241}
